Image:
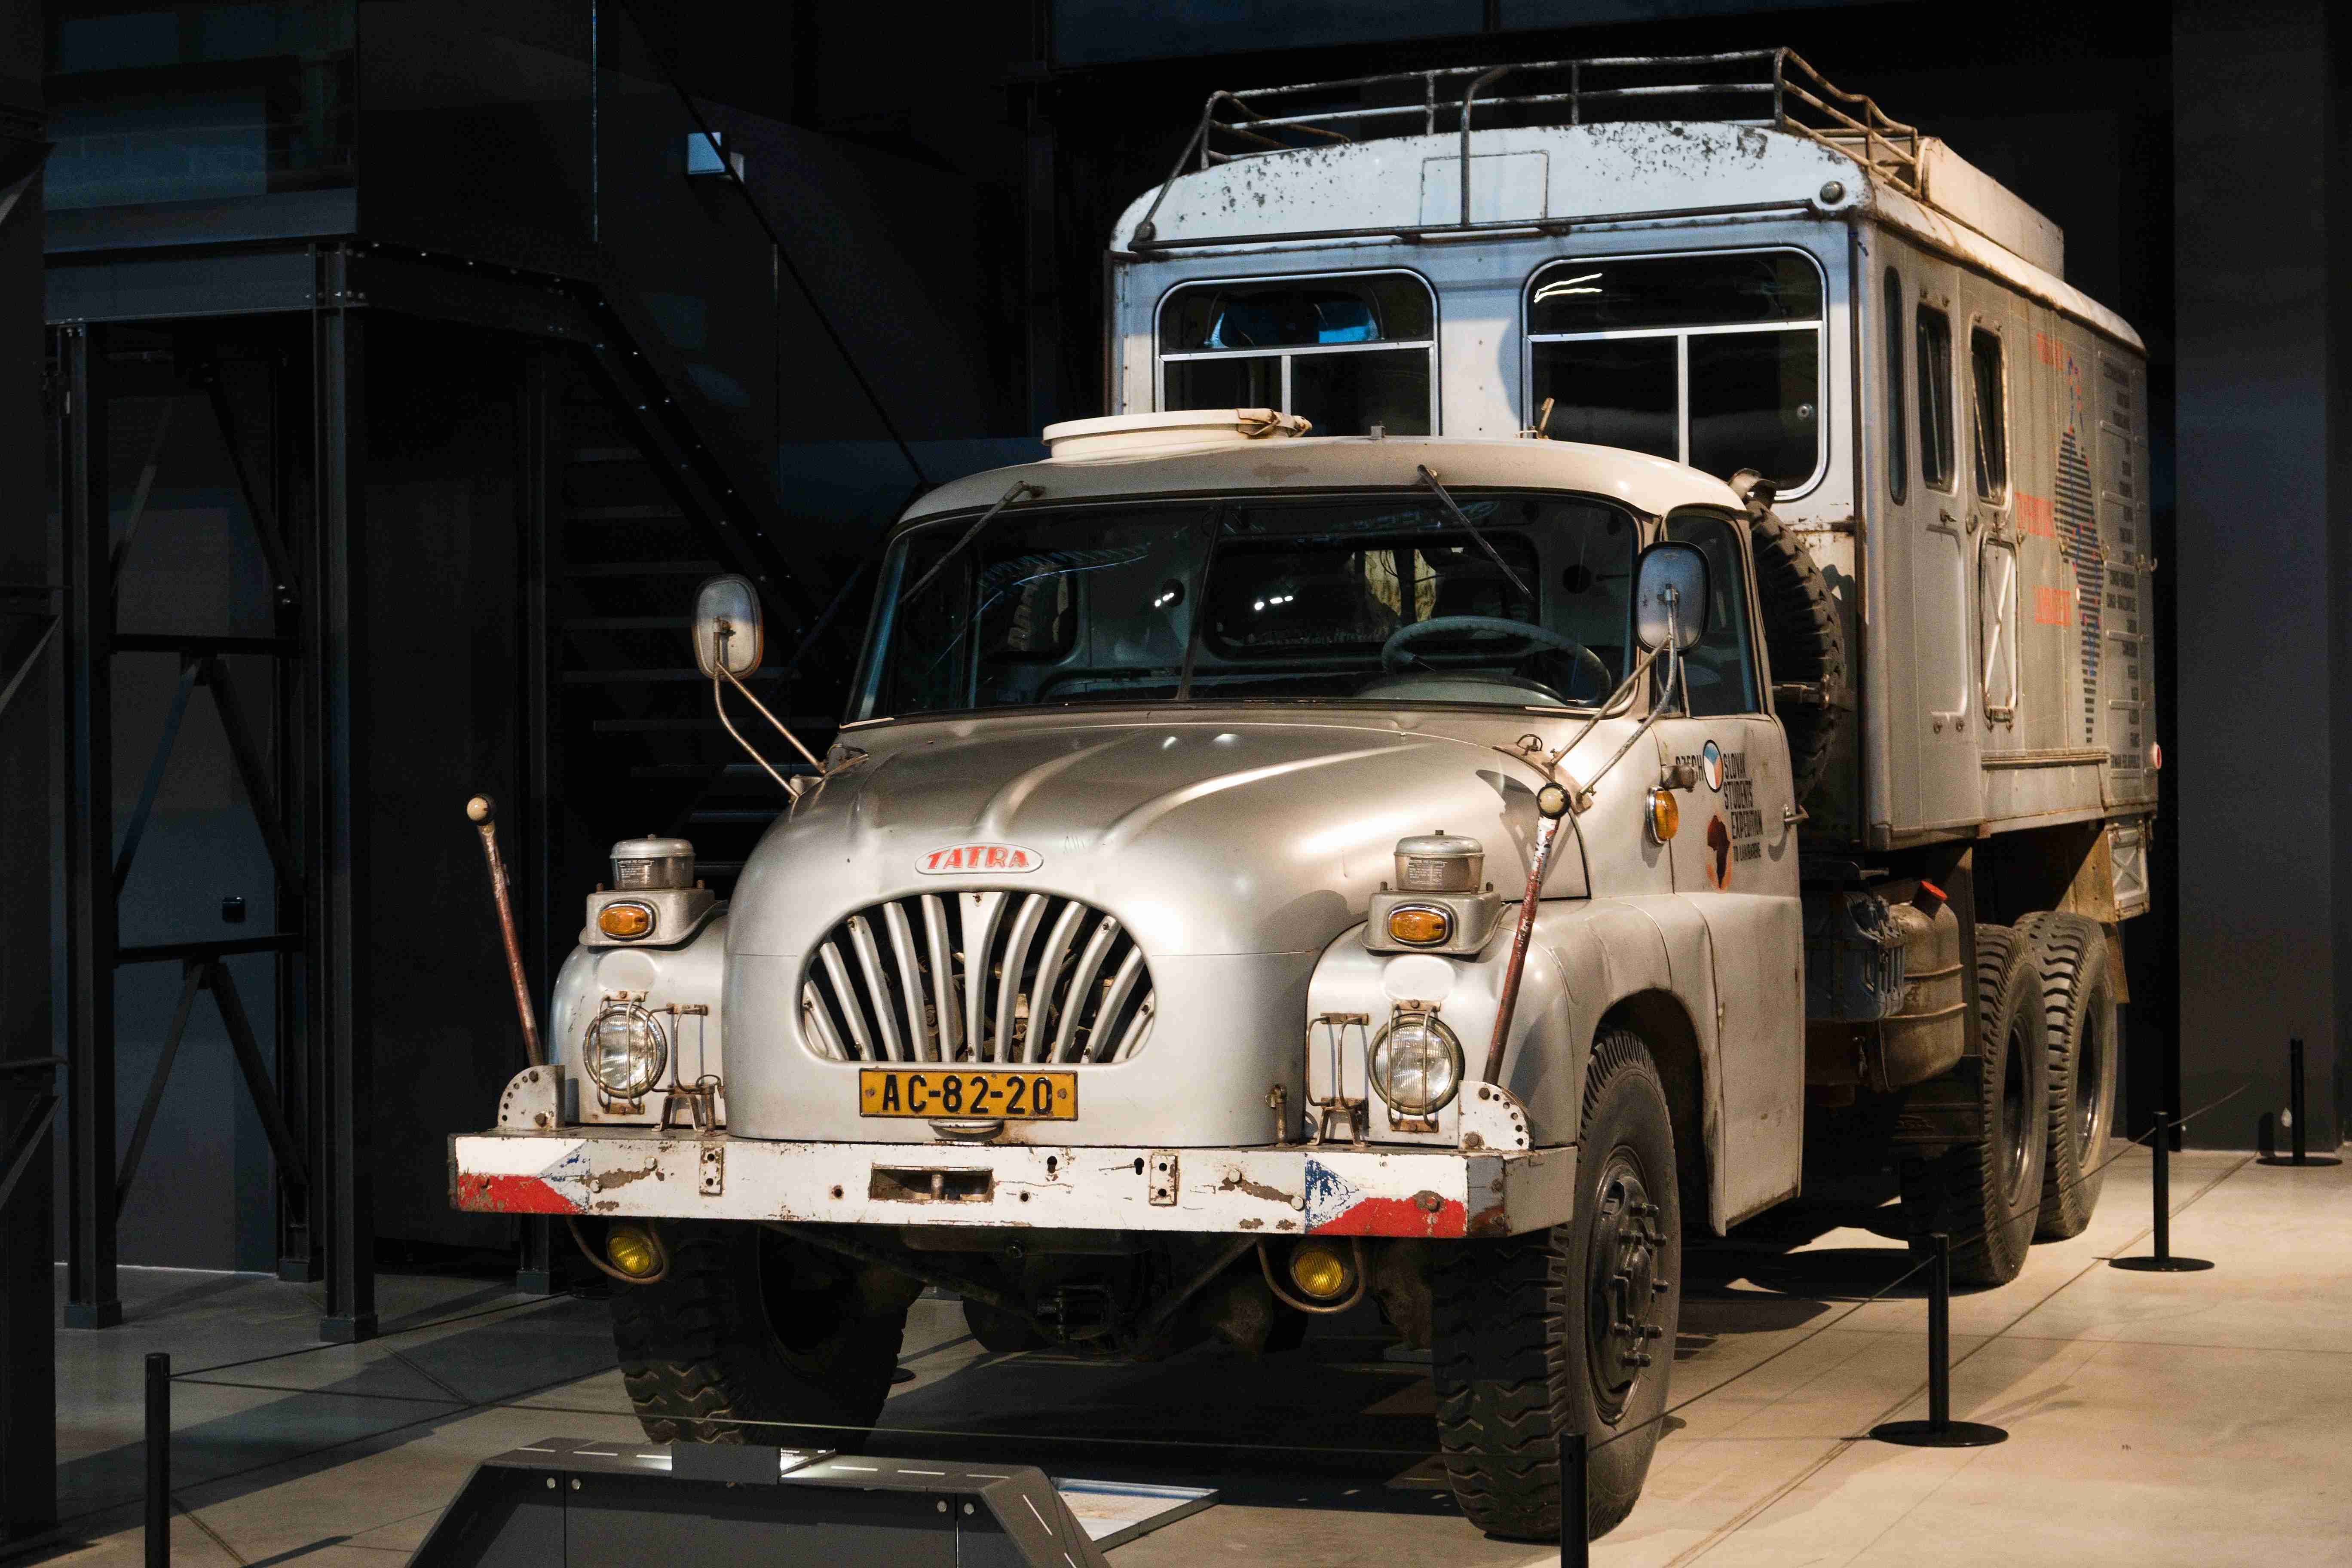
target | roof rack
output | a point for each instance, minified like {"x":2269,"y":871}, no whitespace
{"x":1786,"y":92}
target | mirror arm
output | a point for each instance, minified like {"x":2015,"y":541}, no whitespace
{"x":719,"y":703}
{"x":778,"y":723}
{"x":1641,"y":668}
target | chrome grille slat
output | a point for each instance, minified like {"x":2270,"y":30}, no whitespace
{"x":942,"y":976}
{"x":980,"y":911}
{"x":878,"y":991}
{"x":1077,"y":1008}
{"x":1015,"y":962}
{"x":820,"y":1027}
{"x":853,"y":1013}
{"x":1049,"y":970}
{"x":1007,"y":975}
{"x":1138,"y":1031}
{"x":1122,"y":987}
{"x":921,"y":1041}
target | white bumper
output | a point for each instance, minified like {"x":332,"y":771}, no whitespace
{"x":1326,"y":1190}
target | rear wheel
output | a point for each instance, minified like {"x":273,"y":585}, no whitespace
{"x":1986,"y":1193}
{"x":2069,"y":960}
{"x":1570,"y":1328}
{"x":751,"y":1331}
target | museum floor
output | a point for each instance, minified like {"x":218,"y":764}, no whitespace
{"x":2189,"y":1418}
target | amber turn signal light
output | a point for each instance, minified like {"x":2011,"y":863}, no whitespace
{"x":1665,"y":816}
{"x":633,"y":1252}
{"x":1321,"y":1272}
{"x":625,"y":921}
{"x":1420,"y":926}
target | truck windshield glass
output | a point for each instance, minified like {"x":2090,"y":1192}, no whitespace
{"x":1296,"y":601}
{"x":1712,"y":360}
{"x":1349,"y":351}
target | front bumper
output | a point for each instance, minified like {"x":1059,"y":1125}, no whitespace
{"x":1326,"y":1190}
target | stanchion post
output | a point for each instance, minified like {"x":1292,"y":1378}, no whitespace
{"x":2298,"y":1126}
{"x":1575,"y":1551}
{"x":2163,"y":1188}
{"x":158,"y":1459}
{"x":1940,"y":1430}
{"x":2295,"y":1096}
{"x":2161,"y":1261}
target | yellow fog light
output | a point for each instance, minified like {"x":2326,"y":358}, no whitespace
{"x":1320,"y":1272}
{"x":1665,"y":816}
{"x":625,"y":921}
{"x":1420,"y":925}
{"x":632,"y":1251}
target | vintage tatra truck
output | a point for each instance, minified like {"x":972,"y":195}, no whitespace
{"x":1638,"y":676}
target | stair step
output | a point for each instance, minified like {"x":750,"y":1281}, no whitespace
{"x":627,"y":624}
{"x":702,"y":770}
{"x":653,"y":676}
{"x":651,"y":511}
{"x":805,"y":726}
{"x":645,"y":569}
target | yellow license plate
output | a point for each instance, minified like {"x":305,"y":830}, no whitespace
{"x":978,"y":1092}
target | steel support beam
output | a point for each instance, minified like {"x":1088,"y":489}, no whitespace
{"x":542,"y":465}
{"x":92,"y":1300}
{"x":336,"y":862}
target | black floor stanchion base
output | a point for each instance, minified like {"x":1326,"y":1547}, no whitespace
{"x":2160,"y":1265}
{"x":2307,"y":1160}
{"x":1928,"y":1435}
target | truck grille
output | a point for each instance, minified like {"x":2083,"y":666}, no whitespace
{"x":982,"y":974}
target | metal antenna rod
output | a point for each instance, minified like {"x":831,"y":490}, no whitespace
{"x":482,"y":811}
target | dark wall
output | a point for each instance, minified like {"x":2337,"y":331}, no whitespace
{"x":28,"y":808}
{"x":2259,"y":564}
{"x":445,"y":694}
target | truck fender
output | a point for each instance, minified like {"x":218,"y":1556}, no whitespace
{"x":1643,"y":964}
{"x":689,"y":974}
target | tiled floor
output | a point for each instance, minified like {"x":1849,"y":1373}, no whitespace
{"x":2196,"y":1418}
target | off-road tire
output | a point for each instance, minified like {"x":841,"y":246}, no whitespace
{"x":1515,"y":1366}
{"x":2069,"y":957}
{"x":1804,"y":637}
{"x":749,"y":1329}
{"x":1986,"y":1193}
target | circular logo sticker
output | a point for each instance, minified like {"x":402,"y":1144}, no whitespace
{"x":1711,"y":758}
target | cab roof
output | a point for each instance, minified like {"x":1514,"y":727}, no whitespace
{"x":1311,"y":463}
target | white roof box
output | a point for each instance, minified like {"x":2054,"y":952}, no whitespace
{"x":1158,"y":435}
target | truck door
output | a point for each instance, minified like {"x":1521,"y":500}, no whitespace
{"x":1735,"y":859}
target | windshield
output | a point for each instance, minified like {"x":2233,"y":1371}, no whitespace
{"x":1381,"y":599}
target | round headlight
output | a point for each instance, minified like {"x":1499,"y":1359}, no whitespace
{"x":1416,"y":1064}
{"x":626,"y":1051}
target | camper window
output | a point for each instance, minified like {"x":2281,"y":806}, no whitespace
{"x":1713,"y":359}
{"x":1347,"y":350}
{"x":1991,"y":414}
{"x":1934,"y":356}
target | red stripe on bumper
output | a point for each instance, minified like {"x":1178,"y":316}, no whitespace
{"x":1397,"y":1216}
{"x":510,"y":1195}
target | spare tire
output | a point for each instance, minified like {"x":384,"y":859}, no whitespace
{"x":1804,"y":637}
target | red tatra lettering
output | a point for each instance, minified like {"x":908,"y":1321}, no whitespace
{"x":996,"y":856}
{"x":1019,"y":860}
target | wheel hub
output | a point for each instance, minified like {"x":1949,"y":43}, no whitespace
{"x":1625,"y":1294}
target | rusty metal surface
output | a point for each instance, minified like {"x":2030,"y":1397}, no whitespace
{"x":1434,"y":1194}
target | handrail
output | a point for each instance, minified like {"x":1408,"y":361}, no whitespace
{"x":1269,"y":121}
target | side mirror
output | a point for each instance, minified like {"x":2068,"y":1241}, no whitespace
{"x":727,"y":629}
{"x":1670,"y":588}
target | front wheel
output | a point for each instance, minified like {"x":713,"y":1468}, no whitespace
{"x":1570,"y":1328}
{"x":751,"y":1331}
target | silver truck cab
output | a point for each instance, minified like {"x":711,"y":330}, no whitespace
{"x":1263,"y":868}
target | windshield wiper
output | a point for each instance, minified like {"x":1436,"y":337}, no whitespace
{"x":1020,"y":488}
{"x":1483,"y":543}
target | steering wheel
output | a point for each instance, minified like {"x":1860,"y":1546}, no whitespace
{"x":1397,"y":652}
